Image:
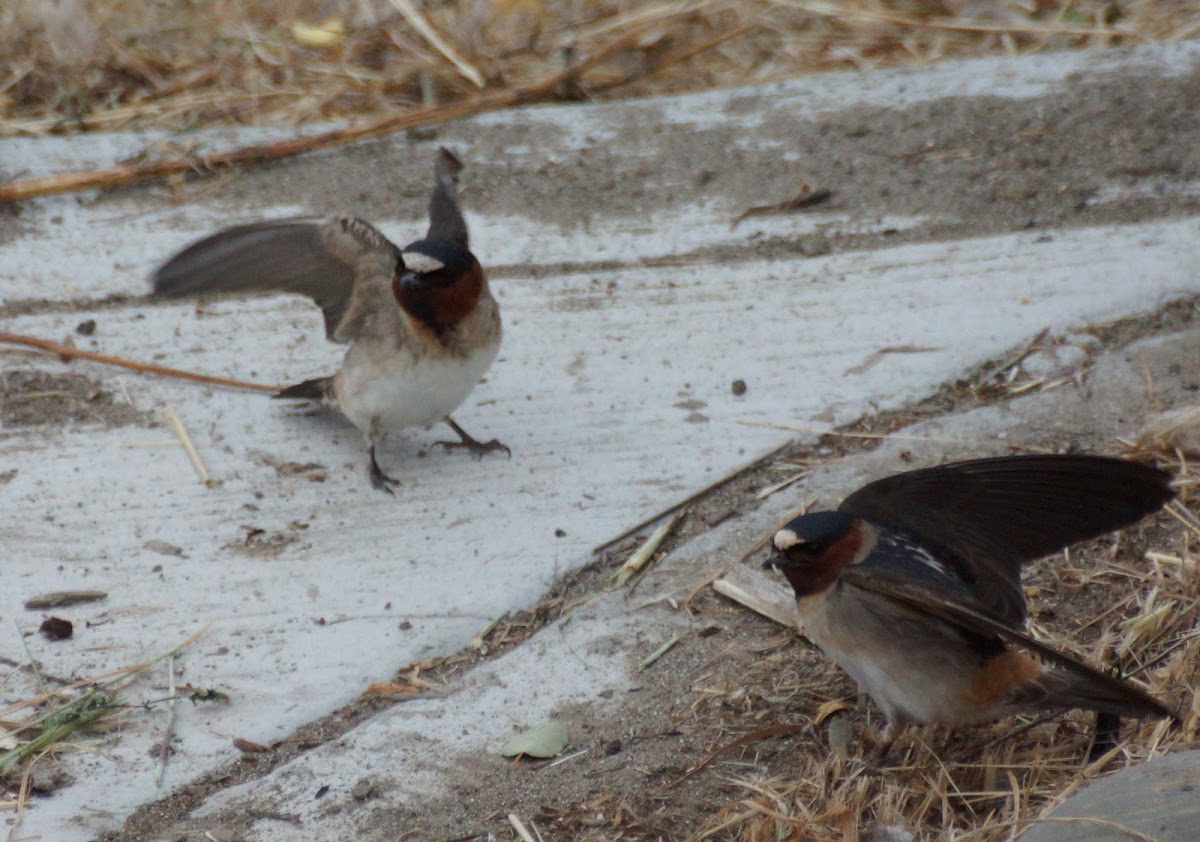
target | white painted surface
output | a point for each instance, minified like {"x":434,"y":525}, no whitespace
{"x":612,"y":388}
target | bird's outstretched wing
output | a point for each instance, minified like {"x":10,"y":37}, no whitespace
{"x":321,"y":258}
{"x":986,"y":517}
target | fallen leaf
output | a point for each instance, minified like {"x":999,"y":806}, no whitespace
{"x":829,"y":709}
{"x":542,"y":741}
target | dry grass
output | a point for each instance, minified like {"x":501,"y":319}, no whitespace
{"x":72,"y":65}
{"x":43,"y":715}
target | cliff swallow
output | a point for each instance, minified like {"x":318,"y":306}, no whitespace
{"x":913,"y":585}
{"x":420,"y":321}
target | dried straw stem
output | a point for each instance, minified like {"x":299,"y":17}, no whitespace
{"x":68,"y":352}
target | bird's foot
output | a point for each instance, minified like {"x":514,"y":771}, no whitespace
{"x":477,"y":447}
{"x":876,"y":758}
{"x":469,"y":442}
{"x":379,"y":479}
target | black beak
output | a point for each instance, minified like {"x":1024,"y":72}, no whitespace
{"x":412,"y":280}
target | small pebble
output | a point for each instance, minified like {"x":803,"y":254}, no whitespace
{"x":363,"y":789}
{"x":56,"y":628}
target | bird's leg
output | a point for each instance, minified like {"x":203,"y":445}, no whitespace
{"x":887,"y":739}
{"x":379,"y":479}
{"x":470,"y":443}
{"x":1106,"y":736}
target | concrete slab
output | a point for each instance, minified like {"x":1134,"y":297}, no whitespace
{"x":626,"y":322}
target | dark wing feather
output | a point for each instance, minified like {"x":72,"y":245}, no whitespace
{"x":445,"y":216}
{"x":317,"y":258}
{"x":1084,"y":687}
{"x":986,"y":517}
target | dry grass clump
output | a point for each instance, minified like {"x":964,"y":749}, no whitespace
{"x":42,"y":716}
{"x":73,"y":65}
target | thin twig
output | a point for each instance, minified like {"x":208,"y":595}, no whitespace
{"x":691,"y":498}
{"x":660,"y":651}
{"x":563,"y":633}
{"x":1184,"y":515}
{"x":519,"y":828}
{"x":23,"y":795}
{"x":68,"y":352}
{"x":176,"y":425}
{"x":823,"y":431}
{"x":418,"y":22}
{"x":123,"y":672}
{"x":754,"y":736}
{"x":164,"y":747}
{"x":639,"y":557}
{"x":564,"y":759}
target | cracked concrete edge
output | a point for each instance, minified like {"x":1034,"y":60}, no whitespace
{"x":576,"y":660}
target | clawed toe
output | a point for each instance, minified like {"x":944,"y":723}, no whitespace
{"x":381,"y":480}
{"x":466,"y":440}
{"x":476,"y":447}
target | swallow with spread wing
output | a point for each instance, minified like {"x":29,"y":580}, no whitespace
{"x":421,"y":323}
{"x":913,"y":585}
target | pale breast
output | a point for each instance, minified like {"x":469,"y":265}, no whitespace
{"x":914,"y":668}
{"x":399,"y":374}
{"x":401,"y":389}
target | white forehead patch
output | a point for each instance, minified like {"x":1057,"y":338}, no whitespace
{"x":422,"y":264}
{"x":785,"y":539}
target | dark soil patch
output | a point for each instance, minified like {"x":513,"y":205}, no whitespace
{"x":31,"y":398}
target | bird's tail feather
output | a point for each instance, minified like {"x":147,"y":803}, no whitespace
{"x":1106,"y":694}
{"x":310,"y":390}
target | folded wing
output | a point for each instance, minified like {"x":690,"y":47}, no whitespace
{"x":1071,"y":683}
{"x":986,"y":517}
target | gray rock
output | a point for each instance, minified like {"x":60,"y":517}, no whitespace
{"x":1159,"y":799}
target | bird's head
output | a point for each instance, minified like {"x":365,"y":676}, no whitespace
{"x":812,"y":548}
{"x":438,"y":282}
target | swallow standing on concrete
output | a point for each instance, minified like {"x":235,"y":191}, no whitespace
{"x":421,"y":323}
{"x":913,"y":585}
